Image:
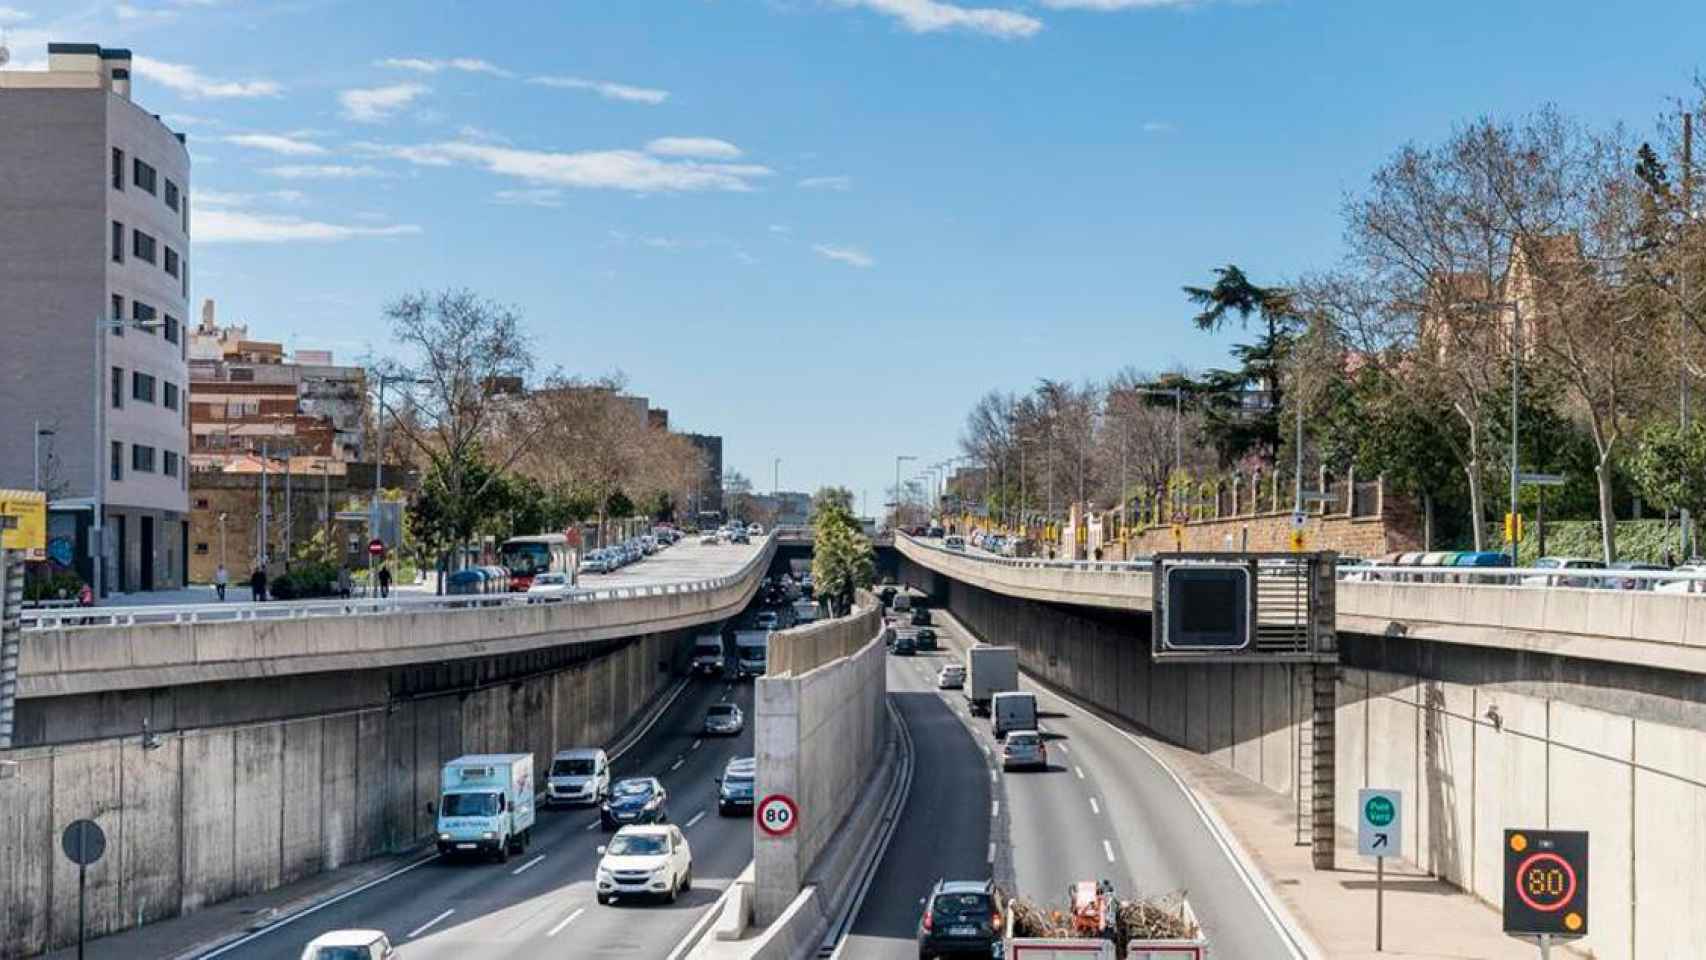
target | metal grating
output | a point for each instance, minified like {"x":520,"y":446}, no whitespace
{"x":1282,"y":605}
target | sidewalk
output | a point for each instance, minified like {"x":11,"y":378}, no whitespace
{"x":1426,"y":919}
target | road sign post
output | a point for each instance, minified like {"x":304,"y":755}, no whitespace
{"x":1380,"y":834}
{"x":83,"y":842}
{"x":1546,"y":885}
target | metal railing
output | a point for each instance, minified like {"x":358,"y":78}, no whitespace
{"x":95,"y":617}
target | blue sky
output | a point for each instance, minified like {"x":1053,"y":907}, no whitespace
{"x":821,"y":228}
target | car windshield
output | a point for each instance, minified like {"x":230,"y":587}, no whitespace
{"x":962,"y":906}
{"x":721,"y":710}
{"x":638,"y":845}
{"x":1021,"y":740}
{"x":633,"y":788}
{"x":342,"y":953}
{"x":576,"y":767}
{"x":548,"y":579}
{"x":470,"y":805}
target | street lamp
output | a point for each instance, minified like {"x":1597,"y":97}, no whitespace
{"x":898,"y":460}
{"x":379,"y":457}
{"x":35,"y":444}
{"x":98,"y":488}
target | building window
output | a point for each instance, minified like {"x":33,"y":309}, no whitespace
{"x":201,"y":503}
{"x":172,"y":327}
{"x":201,"y":549}
{"x":171,"y":261}
{"x":141,"y":246}
{"x":141,"y":458}
{"x":142,"y":386}
{"x":143,"y":175}
{"x":118,"y":242}
{"x":169,"y":463}
{"x":184,"y":281}
{"x":118,"y":388}
{"x":186,"y":215}
{"x":171,"y":194}
{"x":142,"y":312}
{"x":118,"y":169}
{"x":169,"y":395}
{"x":118,"y":314}
{"x":117,"y":460}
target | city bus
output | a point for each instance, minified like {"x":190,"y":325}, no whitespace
{"x":528,"y":556}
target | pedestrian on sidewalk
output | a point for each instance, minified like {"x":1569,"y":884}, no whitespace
{"x":258,"y":584}
{"x":221,"y":579}
{"x":384,"y":580}
{"x":343,"y":582}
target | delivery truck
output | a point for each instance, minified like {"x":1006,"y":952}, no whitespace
{"x":485,"y":806}
{"x":708,"y":655}
{"x":989,"y":671}
{"x":751,"y":652}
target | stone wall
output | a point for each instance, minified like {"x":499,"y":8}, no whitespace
{"x":214,"y":813}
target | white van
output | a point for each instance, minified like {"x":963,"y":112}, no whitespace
{"x":578,"y":776}
{"x":902,"y":602}
{"x":1013,"y":710}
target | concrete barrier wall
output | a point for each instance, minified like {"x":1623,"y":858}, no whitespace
{"x":1472,"y":757}
{"x":210,"y":814}
{"x":802,"y":649}
{"x":818,"y":737}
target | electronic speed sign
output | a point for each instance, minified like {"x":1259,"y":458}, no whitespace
{"x":1205,"y":606}
{"x":1546,"y":883}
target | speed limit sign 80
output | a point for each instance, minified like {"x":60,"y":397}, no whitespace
{"x":777,"y":815}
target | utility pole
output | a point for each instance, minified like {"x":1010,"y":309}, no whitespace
{"x":1682,"y":372}
{"x":288,"y":516}
{"x":776,"y":479}
{"x":261,"y":549}
{"x":1516,"y":367}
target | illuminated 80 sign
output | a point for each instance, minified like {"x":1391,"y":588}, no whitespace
{"x":1546,"y":883}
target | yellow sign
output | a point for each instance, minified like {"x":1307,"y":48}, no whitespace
{"x":1297,"y":541}
{"x":28,"y":531}
{"x":1513,"y":527}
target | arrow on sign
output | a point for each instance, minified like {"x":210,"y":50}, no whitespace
{"x":1379,"y":841}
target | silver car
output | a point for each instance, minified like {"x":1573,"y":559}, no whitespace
{"x":724,"y":720}
{"x":1024,"y":749}
{"x":952,"y":677}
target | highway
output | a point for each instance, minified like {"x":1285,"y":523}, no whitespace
{"x":1105,"y":808}
{"x":541,"y":902}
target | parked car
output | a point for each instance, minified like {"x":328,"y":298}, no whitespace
{"x":652,"y":861}
{"x":1563,"y":563}
{"x":1634,"y":583}
{"x":595,"y":562}
{"x":350,"y":945}
{"x":961,"y":917}
{"x":724,"y":720}
{"x":1683,"y":585}
{"x":635,"y":800}
{"x":735,"y":787}
{"x":549,"y":587}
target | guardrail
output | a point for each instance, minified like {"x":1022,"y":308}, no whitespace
{"x":1594,"y":578}
{"x":97,"y":617}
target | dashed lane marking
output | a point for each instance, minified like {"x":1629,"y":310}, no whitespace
{"x":696,"y":818}
{"x":591,"y":826}
{"x":1078,"y":770}
{"x":677,"y":765}
{"x":992,"y":851}
{"x":571,"y":918}
{"x":1108,"y":849}
{"x":518,"y":871}
{"x":423,"y":928}
{"x":1094,"y":807}
{"x":994,"y":809}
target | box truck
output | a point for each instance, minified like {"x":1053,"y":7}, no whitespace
{"x":485,"y":807}
{"x":989,"y":671}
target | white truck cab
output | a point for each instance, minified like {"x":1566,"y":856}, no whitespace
{"x":486,"y":805}
{"x":578,"y":776}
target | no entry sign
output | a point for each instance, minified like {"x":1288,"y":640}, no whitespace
{"x":777,"y":815}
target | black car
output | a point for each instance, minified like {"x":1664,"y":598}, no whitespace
{"x":735,"y":786}
{"x":887,"y":597}
{"x":905,"y":645}
{"x":920,"y":616}
{"x":961,"y":918}
{"x":635,"y":800}
{"x":925,"y":638}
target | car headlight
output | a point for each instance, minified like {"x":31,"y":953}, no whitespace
{"x":652,"y":804}
{"x":489,"y":835}
{"x":605,"y":806}
{"x":444,"y":836}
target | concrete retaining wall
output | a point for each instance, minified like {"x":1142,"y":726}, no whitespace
{"x":211,"y":814}
{"x":1473,"y":755}
{"x":818,"y":736}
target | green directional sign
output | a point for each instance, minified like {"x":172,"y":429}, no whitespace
{"x":1379,"y":810}
{"x":1380,"y":823}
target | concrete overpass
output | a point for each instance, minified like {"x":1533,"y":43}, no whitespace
{"x":1490,"y":706}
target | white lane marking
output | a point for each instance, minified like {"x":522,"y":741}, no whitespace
{"x":986,"y":751}
{"x":992,"y":851}
{"x":591,"y":826}
{"x":991,"y":774}
{"x":696,"y":818}
{"x":676,"y":765}
{"x":1094,"y":807}
{"x":696,"y":744}
{"x":994,"y":809}
{"x":1078,"y":770}
{"x":1065,"y":749}
{"x":423,"y":928}
{"x":1108,"y":849}
{"x":571,"y":918}
{"x":319,"y":906}
{"x":518,"y":871}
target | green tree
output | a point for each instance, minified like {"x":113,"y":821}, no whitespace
{"x":843,"y":559}
{"x":1669,"y":466}
{"x":1235,"y":429}
{"x":455,"y":501}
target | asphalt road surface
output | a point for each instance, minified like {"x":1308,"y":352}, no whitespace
{"x":1104,"y":809}
{"x":541,"y":903}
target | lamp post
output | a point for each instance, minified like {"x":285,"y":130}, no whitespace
{"x":35,"y":444}
{"x":898,"y":460}
{"x":379,"y":459}
{"x":98,"y":486}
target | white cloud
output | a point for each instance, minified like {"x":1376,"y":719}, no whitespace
{"x":202,"y":199}
{"x":11,"y":15}
{"x":586,"y":169}
{"x":781,"y":228}
{"x":705,"y":148}
{"x":464,"y":64}
{"x":376,"y":104}
{"x":1105,"y":6}
{"x":931,"y":16}
{"x":232,"y":226}
{"x":190,"y":83}
{"x":471,"y":132}
{"x":276,"y":143}
{"x":852,"y":256}
{"x":188,"y":120}
{"x":1157,"y":126}
{"x":745,"y":257}
{"x":827,"y":183}
{"x":606,"y":89}
{"x":321,"y":171}
{"x":531,"y":197}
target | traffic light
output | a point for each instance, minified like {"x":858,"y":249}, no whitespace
{"x":1546,"y":883}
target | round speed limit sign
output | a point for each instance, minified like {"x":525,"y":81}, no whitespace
{"x":777,"y":815}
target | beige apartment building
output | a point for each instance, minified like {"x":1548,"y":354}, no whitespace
{"x":94,"y":282}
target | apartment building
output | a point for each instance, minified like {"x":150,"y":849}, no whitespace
{"x":94,"y":282}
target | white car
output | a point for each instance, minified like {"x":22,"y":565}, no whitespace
{"x":951,"y":677}
{"x":1685,"y":586}
{"x":1559,"y":563}
{"x":709,"y":539}
{"x":579,"y":775}
{"x":548,"y":587}
{"x":755,"y":530}
{"x":648,"y":861}
{"x":350,"y":945}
